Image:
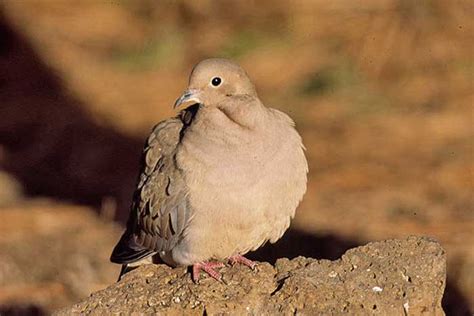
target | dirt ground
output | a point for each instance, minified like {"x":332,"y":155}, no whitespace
{"x":381,"y":91}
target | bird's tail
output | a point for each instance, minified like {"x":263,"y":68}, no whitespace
{"x":128,"y":250}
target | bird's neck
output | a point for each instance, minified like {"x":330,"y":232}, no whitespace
{"x":245,"y":111}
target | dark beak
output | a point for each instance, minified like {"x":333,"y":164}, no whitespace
{"x":188,"y":95}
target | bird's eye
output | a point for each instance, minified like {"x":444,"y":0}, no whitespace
{"x":216,"y":81}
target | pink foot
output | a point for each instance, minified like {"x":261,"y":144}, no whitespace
{"x":242,"y":260}
{"x":208,"y":267}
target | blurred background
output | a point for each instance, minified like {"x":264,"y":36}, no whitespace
{"x":381,"y":91}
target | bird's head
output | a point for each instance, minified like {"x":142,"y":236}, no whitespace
{"x":215,"y":79}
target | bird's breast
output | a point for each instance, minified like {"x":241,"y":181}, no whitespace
{"x":224,"y":160}
{"x":249,"y":165}
{"x":243,"y":185}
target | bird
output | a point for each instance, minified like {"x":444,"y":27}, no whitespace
{"x":218,"y":180}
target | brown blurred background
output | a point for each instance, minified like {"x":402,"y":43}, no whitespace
{"x":381,"y":91}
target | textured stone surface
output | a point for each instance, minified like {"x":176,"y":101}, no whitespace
{"x":393,"y":277}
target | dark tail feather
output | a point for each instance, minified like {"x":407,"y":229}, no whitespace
{"x":128,"y":251}
{"x":125,"y":269}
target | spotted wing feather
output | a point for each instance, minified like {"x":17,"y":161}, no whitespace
{"x":160,"y":210}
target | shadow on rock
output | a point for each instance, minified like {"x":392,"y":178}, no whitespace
{"x":296,"y":243}
{"x":50,"y":144}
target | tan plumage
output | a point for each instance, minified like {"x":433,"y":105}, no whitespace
{"x":219,"y":180}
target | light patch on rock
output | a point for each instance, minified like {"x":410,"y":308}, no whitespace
{"x":406,"y":307}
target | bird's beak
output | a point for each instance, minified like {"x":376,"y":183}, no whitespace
{"x":188,"y":95}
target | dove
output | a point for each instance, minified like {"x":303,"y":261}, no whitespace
{"x":220,"y":179}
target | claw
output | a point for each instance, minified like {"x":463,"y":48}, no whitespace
{"x":242,"y":260}
{"x":208,"y":267}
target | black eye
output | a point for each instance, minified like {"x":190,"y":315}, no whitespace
{"x":216,"y":81}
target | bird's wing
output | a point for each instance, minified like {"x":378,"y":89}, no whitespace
{"x":160,"y":209}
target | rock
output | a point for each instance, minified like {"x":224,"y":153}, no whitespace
{"x":393,"y":277}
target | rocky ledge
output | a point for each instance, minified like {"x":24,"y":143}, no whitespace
{"x":393,"y":277}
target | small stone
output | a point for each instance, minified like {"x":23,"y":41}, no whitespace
{"x":150,"y":274}
{"x":152,"y":301}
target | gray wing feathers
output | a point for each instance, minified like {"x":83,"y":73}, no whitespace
{"x":160,"y":203}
